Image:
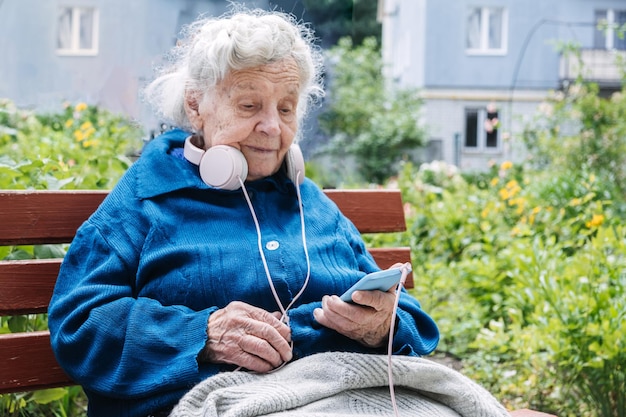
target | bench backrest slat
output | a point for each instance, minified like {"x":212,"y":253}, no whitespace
{"x":27,"y":285}
{"x":34,"y":217}
{"x":27,"y":363}
{"x":40,"y":217}
{"x":371,"y":211}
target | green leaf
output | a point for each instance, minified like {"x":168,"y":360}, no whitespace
{"x":57,"y":184}
{"x":18,"y":324}
{"x":19,"y":255}
{"x":4,"y":251}
{"x":49,"y":251}
{"x":46,"y":396}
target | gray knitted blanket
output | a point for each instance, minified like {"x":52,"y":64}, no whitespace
{"x":341,"y":384}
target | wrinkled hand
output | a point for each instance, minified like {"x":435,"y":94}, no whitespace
{"x":367,"y":320}
{"x":247,"y":336}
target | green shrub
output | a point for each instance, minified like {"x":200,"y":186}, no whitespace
{"x":82,"y":147}
{"x":365,"y":117}
{"x":577,"y":130}
{"x":525,"y":274}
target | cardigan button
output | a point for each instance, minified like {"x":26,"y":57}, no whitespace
{"x":272,"y":245}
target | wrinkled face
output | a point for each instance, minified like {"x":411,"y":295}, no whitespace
{"x":253,"y":110}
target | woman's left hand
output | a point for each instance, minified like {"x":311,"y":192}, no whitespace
{"x":367,"y":320}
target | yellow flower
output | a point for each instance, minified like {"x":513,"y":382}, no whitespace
{"x":89,"y":132}
{"x":69,"y":123}
{"x":494,"y":181}
{"x":78,"y":135}
{"x":506,"y":165}
{"x":86,"y":125}
{"x":575,"y":202}
{"x":80,"y":107}
{"x":511,"y":184}
{"x":513,"y":188}
{"x":595,"y":221}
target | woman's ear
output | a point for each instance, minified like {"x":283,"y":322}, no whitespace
{"x":192,"y":109}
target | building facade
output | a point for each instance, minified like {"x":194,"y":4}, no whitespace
{"x":483,"y":66}
{"x":97,"y":51}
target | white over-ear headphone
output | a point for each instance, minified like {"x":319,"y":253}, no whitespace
{"x":222,"y":166}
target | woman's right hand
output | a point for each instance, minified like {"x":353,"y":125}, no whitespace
{"x":247,"y":336}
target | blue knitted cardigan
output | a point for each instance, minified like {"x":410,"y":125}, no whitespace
{"x":130,"y":308}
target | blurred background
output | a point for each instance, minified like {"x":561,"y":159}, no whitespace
{"x":479,"y":69}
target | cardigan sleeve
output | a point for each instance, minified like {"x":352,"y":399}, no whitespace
{"x":416,"y":332}
{"x":112,"y":342}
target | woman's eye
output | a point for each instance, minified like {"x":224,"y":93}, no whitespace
{"x":287,"y":109}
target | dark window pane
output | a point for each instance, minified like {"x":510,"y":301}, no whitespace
{"x":471,"y":128}
{"x":491,"y":129}
{"x":492,"y":139}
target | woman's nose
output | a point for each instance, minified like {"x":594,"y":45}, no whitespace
{"x":269,"y":123}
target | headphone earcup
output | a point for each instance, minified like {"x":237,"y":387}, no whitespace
{"x":294,"y":164}
{"x":222,"y":166}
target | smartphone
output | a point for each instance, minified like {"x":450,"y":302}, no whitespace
{"x":380,"y":280}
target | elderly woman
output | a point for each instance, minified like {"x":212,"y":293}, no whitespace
{"x":214,"y":252}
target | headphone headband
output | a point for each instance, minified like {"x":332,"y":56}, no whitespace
{"x":192,"y":153}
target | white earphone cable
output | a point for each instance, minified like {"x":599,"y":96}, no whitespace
{"x":406,"y":269}
{"x":304,"y":245}
{"x":283,"y":310}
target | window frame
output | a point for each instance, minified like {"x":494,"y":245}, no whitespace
{"x":485,"y":25}
{"x":481,"y":133}
{"x":608,"y":39}
{"x":75,"y":48}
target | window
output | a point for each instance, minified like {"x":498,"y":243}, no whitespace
{"x":608,"y":25}
{"x":486,"y":31}
{"x":481,"y":129}
{"x":77,"y":32}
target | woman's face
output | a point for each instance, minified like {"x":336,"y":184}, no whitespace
{"x":253,"y":110}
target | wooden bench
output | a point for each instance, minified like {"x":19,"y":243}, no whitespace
{"x":45,"y":217}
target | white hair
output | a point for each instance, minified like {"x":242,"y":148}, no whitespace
{"x":211,"y":48}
